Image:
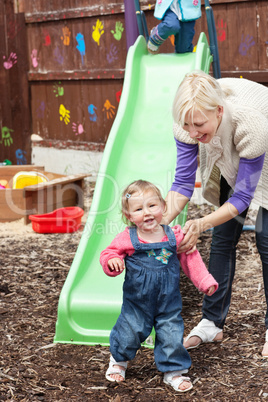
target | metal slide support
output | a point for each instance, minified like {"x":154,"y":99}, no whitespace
{"x":213,"y":40}
{"x":141,"y":19}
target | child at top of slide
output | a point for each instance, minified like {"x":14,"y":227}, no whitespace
{"x":177,"y":18}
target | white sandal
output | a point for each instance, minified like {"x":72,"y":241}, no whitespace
{"x":206,"y":330}
{"x":175,"y":383}
{"x":112,"y":370}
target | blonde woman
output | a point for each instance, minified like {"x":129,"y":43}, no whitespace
{"x":225,"y":121}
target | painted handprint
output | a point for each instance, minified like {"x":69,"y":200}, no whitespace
{"x":58,"y":89}
{"x":20,"y":155}
{"x":81,"y":46}
{"x":64,"y":114}
{"x":92,"y":114}
{"x":117,"y":33}
{"x":58,"y":56}
{"x":118,"y":95}
{"x":40,"y":111}
{"x":97,"y":31}
{"x":66,"y":36}
{"x":246,"y":44}
{"x":6,"y":136}
{"x":78,"y":128}
{"x":34,"y":58}
{"x":172,"y":39}
{"x":12,"y":59}
{"x":112,"y":55}
{"x":109,"y":108}
{"x":47,"y":38}
{"x":221,"y":31}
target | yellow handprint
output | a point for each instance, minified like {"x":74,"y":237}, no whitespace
{"x":97,"y":31}
{"x":109,"y":109}
{"x":64,"y":114}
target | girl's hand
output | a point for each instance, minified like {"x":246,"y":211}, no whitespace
{"x":192,"y":230}
{"x":116,"y":264}
{"x":211,"y":290}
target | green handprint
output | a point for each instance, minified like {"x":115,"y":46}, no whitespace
{"x":6,"y":136}
{"x":58,"y":90}
{"x":97,"y":32}
{"x":118,"y":30}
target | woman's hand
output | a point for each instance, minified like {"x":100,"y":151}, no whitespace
{"x":192,"y":230}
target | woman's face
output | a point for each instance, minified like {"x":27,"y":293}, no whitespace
{"x":203,"y":126}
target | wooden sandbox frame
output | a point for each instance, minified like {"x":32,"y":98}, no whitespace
{"x":60,"y":191}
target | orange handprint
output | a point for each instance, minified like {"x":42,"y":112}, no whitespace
{"x":66,"y":36}
{"x":109,"y":109}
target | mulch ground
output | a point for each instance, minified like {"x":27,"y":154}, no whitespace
{"x":33,"y":268}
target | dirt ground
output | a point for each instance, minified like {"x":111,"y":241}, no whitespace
{"x":33,"y":268}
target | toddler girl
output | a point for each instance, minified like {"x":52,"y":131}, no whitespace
{"x":151,"y":295}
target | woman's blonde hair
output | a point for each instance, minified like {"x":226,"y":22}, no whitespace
{"x":138,"y":186}
{"x":197,"y":91}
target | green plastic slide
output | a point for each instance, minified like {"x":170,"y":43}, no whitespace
{"x":140,"y":146}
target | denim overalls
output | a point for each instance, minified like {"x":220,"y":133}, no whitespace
{"x":151,"y":298}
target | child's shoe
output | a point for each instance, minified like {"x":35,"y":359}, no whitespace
{"x":154,"y":41}
{"x":175,"y":380}
{"x":153,"y":49}
{"x":114,"y":372}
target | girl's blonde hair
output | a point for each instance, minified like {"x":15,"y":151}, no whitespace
{"x":138,"y":186}
{"x":197,"y":91}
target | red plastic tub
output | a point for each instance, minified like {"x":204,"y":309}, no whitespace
{"x":62,"y":220}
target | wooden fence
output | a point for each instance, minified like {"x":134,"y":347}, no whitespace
{"x":63,"y":66}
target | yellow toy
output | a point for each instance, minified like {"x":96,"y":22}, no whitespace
{"x":23,"y":179}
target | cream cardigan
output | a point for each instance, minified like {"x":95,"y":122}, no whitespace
{"x":243,"y":133}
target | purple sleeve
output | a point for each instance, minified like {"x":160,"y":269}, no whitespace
{"x":186,"y":167}
{"x":249,"y":172}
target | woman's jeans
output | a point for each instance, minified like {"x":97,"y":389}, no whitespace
{"x":170,"y":25}
{"x":223,"y":258}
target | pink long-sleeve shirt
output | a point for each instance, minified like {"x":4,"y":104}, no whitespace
{"x":192,"y":264}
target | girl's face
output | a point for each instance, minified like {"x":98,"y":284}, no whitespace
{"x":203,"y":127}
{"x":145,"y":210}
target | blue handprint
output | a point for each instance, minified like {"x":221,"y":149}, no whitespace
{"x":81,"y":45}
{"x":92,"y":114}
{"x":246,"y":44}
{"x":21,"y":160}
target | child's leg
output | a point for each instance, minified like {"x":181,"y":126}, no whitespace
{"x":184,"y":39}
{"x":132,"y":327}
{"x":170,"y":354}
{"x":170,"y":25}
